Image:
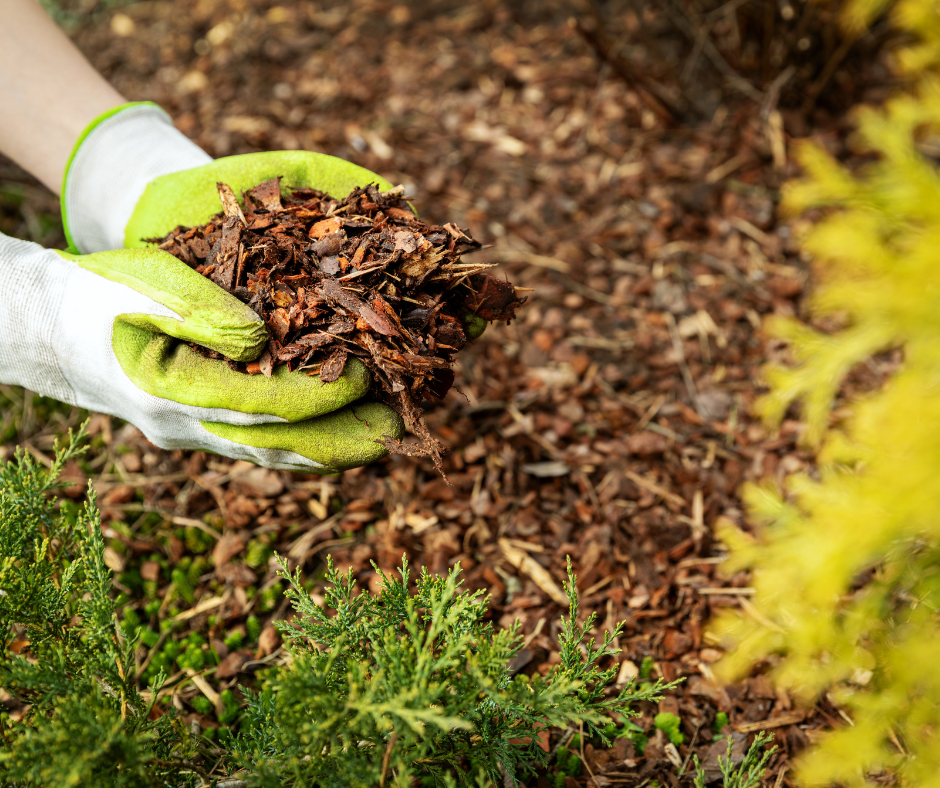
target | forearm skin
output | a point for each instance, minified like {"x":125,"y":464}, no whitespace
{"x":49,"y":92}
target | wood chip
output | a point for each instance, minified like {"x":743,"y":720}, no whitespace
{"x":787,"y":718}
{"x":268,"y":194}
{"x":230,"y":206}
{"x":202,"y":607}
{"x":654,"y":488}
{"x":728,"y":591}
{"x":535,"y":571}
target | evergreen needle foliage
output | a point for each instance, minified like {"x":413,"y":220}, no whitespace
{"x":847,"y":565}
{"x":395,"y":686}
{"x":384,"y":690}
{"x":751,"y":770}
{"x":82,"y":714}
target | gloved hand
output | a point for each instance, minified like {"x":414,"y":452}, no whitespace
{"x":103,"y":330}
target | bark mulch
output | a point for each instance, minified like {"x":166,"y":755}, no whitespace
{"x":359,"y":277}
{"x":610,"y":422}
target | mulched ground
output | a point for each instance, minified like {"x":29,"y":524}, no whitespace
{"x":610,"y":422}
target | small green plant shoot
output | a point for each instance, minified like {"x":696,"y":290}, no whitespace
{"x":669,"y":724}
{"x":751,"y":770}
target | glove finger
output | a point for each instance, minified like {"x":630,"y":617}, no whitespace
{"x":190,"y":197}
{"x":207,"y":314}
{"x":339,"y":441}
{"x":166,"y":368}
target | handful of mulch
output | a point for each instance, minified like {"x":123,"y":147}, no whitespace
{"x":361,"y":276}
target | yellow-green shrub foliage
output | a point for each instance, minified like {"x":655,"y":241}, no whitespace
{"x":847,"y":566}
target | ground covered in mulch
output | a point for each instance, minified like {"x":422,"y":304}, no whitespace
{"x":629,"y":177}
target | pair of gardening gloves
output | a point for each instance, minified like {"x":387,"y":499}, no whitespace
{"x":107,"y":325}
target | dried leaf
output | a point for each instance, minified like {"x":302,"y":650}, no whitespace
{"x":232,"y":665}
{"x":230,"y":545}
{"x":268,"y":640}
{"x":238,"y":574}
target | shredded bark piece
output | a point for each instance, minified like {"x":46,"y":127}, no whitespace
{"x":230,"y":205}
{"x":360,"y":276}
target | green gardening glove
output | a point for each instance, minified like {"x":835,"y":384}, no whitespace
{"x":133,"y":176}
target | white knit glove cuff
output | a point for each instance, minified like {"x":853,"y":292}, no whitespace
{"x":112,"y":165}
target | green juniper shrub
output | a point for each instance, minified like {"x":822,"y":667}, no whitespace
{"x":387,"y":689}
{"x":394,"y":686}
{"x":83,"y":721}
